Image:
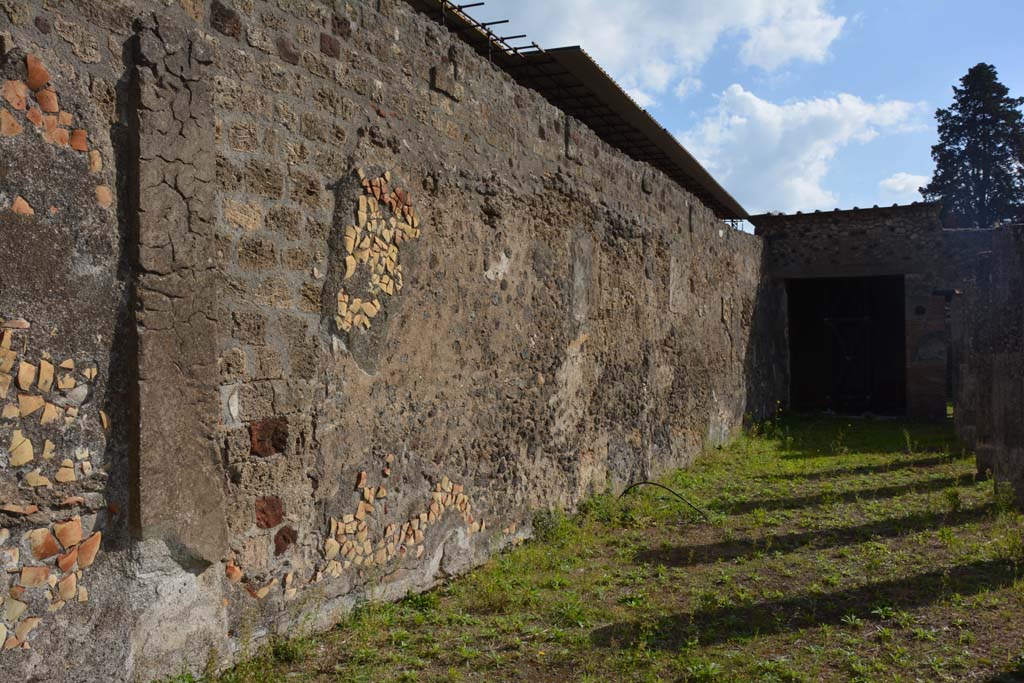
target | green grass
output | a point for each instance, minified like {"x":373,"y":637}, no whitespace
{"x":837,"y":550}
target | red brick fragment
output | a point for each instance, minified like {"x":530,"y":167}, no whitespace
{"x":9,"y":126}
{"x":35,"y":116}
{"x":65,"y":119}
{"x":57,"y":136}
{"x":47,"y":100}
{"x":284,"y":539}
{"x":269,"y":512}
{"x":38,"y":76}
{"x":34,"y":577}
{"x":233,"y":572}
{"x":88,"y":549}
{"x":43,"y":544}
{"x":67,"y":560}
{"x":69,"y":533}
{"x":16,"y":94}
{"x":21,"y":206}
{"x":104,"y":197}
{"x":80,"y":140}
{"x":13,"y":508}
{"x":269,"y":436}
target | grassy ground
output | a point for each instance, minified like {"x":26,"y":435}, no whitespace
{"x":837,"y":550}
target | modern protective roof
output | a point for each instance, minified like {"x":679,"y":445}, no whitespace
{"x":572,"y":81}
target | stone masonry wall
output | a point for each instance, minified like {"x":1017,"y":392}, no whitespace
{"x":305,"y":303}
{"x":989,"y":349}
{"x":904,"y":240}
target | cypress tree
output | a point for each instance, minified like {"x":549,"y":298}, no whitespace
{"x":979,"y":160}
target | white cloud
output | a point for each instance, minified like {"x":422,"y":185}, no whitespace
{"x":641,"y":97}
{"x":648,"y":45}
{"x":688,"y":86}
{"x":775,"y":157}
{"x":793,"y":30}
{"x":903,"y":186}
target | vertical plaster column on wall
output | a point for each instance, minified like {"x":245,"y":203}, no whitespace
{"x":179,"y":483}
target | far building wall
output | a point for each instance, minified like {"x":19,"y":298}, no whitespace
{"x":908,"y":241}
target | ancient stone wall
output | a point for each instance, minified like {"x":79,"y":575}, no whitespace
{"x":904,"y":240}
{"x":305,"y":303}
{"x":989,"y":350}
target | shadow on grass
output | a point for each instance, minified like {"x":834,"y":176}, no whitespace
{"x":918,"y":463}
{"x":693,"y":555}
{"x":837,"y":497}
{"x":721,"y":624}
{"x":1007,"y":677}
{"x":1016,"y":676}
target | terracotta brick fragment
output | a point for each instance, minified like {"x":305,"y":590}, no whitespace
{"x":69,"y":533}
{"x":95,"y":161}
{"x":43,"y":544}
{"x":48,"y":101}
{"x":104,"y":197}
{"x":66,"y":474}
{"x":286,"y":49}
{"x":225,"y":20}
{"x":269,"y":512}
{"x":28,"y":404}
{"x":35,"y":116}
{"x":23,"y":207}
{"x":14,"y":607}
{"x":16,"y":94}
{"x":329,"y":45}
{"x":233,"y":572}
{"x":26,"y":626}
{"x":65,"y":119}
{"x":67,"y":560}
{"x":38,"y":76}
{"x":9,"y":126}
{"x":67,"y":587}
{"x":269,"y":436}
{"x":19,"y":509}
{"x":88,"y":549}
{"x":284,"y":539}
{"x":34,"y":577}
{"x":57,"y":136}
{"x":79,"y":140}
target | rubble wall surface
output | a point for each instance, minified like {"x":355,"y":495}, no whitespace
{"x":306,"y":303}
{"x":989,"y":353}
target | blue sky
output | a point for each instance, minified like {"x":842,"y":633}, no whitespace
{"x":792,"y":104}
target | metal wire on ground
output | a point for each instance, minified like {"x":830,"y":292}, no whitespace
{"x":662,"y":486}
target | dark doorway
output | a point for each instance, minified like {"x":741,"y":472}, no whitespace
{"x":846,"y":341}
